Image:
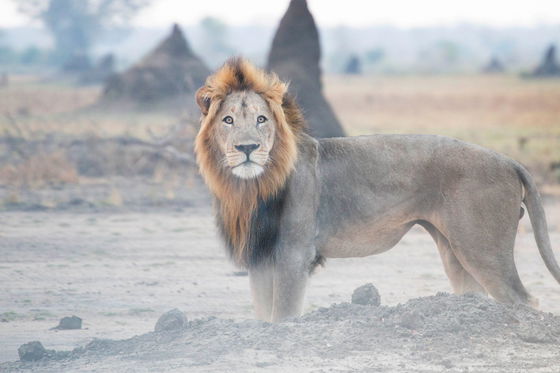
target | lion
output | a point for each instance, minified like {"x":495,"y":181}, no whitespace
{"x":286,"y":201}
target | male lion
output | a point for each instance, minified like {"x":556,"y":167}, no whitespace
{"x":285,"y":200}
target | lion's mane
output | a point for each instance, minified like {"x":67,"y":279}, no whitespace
{"x":248,"y":210}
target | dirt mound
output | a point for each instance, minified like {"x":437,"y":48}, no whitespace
{"x":353,"y":66}
{"x":294,"y":56}
{"x":425,"y":334}
{"x":494,"y":66}
{"x":170,"y":71}
{"x":549,"y":66}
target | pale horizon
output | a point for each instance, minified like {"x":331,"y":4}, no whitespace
{"x":359,"y":13}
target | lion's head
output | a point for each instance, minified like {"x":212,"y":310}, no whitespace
{"x":247,"y":144}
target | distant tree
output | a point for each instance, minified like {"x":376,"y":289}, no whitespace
{"x":214,"y":39}
{"x":441,"y":56}
{"x":448,"y":51}
{"x":375,"y":55}
{"x":76,"y":24}
{"x":7,"y":56}
{"x":32,"y":56}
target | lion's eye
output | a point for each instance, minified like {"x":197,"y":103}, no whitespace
{"x":261,"y":119}
{"x":228,"y":120}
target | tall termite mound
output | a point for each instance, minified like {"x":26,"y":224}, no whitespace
{"x":294,"y":55}
{"x":549,"y":66}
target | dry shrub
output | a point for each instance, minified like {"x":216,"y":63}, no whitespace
{"x":39,"y":170}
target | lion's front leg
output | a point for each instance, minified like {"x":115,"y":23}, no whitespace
{"x":290,"y":281}
{"x":261,"y":280}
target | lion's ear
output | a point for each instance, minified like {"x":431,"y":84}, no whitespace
{"x":203,"y":100}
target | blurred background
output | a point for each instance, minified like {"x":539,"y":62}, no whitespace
{"x":100,"y":89}
{"x":103,"y":212}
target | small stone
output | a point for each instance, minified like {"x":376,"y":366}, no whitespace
{"x":366,"y":295}
{"x":70,"y":322}
{"x":171,"y":320}
{"x":31,"y":351}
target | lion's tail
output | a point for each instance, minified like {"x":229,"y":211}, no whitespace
{"x":533,"y":202}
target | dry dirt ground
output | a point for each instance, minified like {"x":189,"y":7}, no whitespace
{"x":121,"y":250}
{"x":120,"y":269}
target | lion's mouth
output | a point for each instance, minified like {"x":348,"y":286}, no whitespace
{"x":247,"y":169}
{"x":245,"y":163}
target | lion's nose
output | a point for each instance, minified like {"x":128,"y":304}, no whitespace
{"x":247,"y":148}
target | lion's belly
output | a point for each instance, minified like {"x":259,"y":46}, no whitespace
{"x":361,"y":241}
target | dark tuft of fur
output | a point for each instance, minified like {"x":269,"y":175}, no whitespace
{"x":263,"y":235}
{"x":263,"y":232}
{"x":243,"y":84}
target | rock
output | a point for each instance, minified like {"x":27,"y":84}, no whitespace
{"x":171,"y":320}
{"x":294,"y":55}
{"x":69,"y":322}
{"x":366,"y":295}
{"x":31,"y":351}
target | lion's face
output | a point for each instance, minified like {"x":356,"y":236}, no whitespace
{"x":245,"y":131}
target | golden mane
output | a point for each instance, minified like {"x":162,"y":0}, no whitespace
{"x":238,"y":198}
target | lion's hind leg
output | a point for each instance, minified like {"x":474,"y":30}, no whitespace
{"x":482,"y":238}
{"x":495,"y":271}
{"x":461,"y":281}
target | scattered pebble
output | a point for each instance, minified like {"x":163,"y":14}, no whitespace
{"x":31,"y":351}
{"x":69,"y":322}
{"x":171,"y":320}
{"x":366,"y":295}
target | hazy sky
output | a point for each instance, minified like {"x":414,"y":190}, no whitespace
{"x":403,"y":13}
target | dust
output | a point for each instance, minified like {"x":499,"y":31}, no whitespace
{"x":441,"y":332}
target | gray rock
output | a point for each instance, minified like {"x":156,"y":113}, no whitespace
{"x":171,"y":320}
{"x":366,"y":295}
{"x":70,"y":322}
{"x":31,"y":351}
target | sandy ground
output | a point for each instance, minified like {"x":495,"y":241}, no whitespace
{"x":120,"y":270}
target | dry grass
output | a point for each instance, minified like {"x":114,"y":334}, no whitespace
{"x":27,"y":96}
{"x":514,"y":116}
{"x":51,"y":114}
{"x":38,"y":171}
{"x":33,"y":110}
{"x":85,"y":124}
